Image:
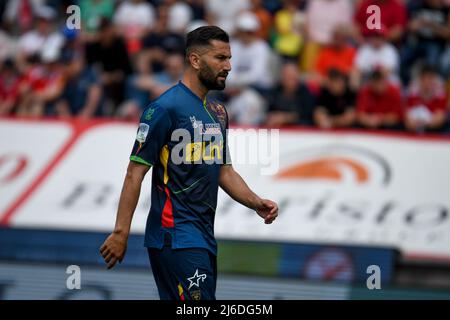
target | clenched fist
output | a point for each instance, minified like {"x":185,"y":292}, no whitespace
{"x":114,"y":248}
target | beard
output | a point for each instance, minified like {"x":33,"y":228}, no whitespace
{"x":211,"y":80}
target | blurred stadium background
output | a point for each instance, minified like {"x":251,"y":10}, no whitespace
{"x":364,"y":148}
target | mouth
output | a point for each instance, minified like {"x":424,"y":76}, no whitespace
{"x":222,"y":77}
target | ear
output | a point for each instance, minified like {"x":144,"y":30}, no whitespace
{"x":194,"y":59}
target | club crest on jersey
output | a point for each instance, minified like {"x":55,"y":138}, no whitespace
{"x":219,"y":111}
{"x":142,"y":132}
{"x":196,"y":295}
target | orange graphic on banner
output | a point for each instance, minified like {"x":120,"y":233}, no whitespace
{"x":328,"y":168}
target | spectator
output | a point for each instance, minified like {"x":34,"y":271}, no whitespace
{"x":393,"y":15}
{"x":379,"y":104}
{"x":73,"y":44}
{"x":251,"y":79}
{"x":43,"y":85}
{"x":34,"y":42}
{"x":161,"y":41}
{"x":322,"y":18}
{"x":251,"y":56}
{"x":20,"y":13}
{"x":10,"y":82}
{"x":264,"y":17}
{"x":428,"y":30}
{"x":92,"y":12}
{"x":246,"y":106}
{"x":335,"y":107}
{"x":376,"y":53}
{"x":292,"y":102}
{"x":289,"y":24}
{"x":198,"y":9}
{"x":222,"y":13}
{"x":339,"y":55}
{"x":111,"y":55}
{"x":82,"y":93}
{"x":134,"y":19}
{"x":7,"y":46}
{"x":143,"y":86}
{"x":427,"y":103}
{"x":174,"y":67}
{"x":179,"y":14}
{"x":137,"y":89}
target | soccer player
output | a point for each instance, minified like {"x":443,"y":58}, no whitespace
{"x":186,"y":176}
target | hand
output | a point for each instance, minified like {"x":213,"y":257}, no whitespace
{"x":275,"y":119}
{"x":114,"y":248}
{"x":84,"y":115}
{"x":268,"y":210}
{"x":373,"y":122}
{"x":325,"y":123}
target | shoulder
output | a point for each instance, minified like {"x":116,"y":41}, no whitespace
{"x":394,"y":89}
{"x":170,"y":99}
{"x":169,"y":103}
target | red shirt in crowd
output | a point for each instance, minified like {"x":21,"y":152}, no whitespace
{"x":393,"y":13}
{"x":9,"y":88}
{"x":40,"y":79}
{"x":388,"y":102}
{"x":437,"y":103}
{"x":332,"y":58}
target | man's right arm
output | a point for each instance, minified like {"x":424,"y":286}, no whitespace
{"x":114,"y":247}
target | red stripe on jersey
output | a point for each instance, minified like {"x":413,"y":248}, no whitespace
{"x":167,"y":213}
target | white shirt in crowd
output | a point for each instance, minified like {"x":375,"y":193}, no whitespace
{"x":12,"y":7}
{"x":7,"y":46}
{"x":246,"y":70}
{"x":34,"y":42}
{"x":225,"y":12}
{"x":180,"y":15}
{"x":323,"y":16}
{"x":369,"y":57}
{"x":135,"y":16}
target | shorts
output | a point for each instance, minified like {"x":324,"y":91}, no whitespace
{"x":184,"y":274}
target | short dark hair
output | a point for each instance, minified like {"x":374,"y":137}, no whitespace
{"x":376,"y":75}
{"x":203,"y":36}
{"x":336,"y":74}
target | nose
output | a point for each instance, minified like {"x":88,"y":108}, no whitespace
{"x":227,"y":66}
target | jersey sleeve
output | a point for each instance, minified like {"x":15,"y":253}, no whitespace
{"x":152,"y":135}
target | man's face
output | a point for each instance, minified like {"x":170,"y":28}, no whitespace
{"x":379,"y":86}
{"x":337,"y":85}
{"x":215,"y":65}
{"x":427,"y":82}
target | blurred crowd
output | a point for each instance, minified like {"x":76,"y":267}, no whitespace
{"x":323,"y":63}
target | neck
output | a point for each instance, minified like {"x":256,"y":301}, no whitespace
{"x":191,"y":81}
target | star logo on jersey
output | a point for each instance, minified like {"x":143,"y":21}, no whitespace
{"x":195,"y":279}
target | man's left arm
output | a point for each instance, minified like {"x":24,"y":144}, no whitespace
{"x":233,"y":184}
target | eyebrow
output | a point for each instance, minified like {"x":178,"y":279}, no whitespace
{"x":223,"y":55}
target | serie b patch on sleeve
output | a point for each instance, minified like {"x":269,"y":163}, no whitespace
{"x":142,"y":132}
